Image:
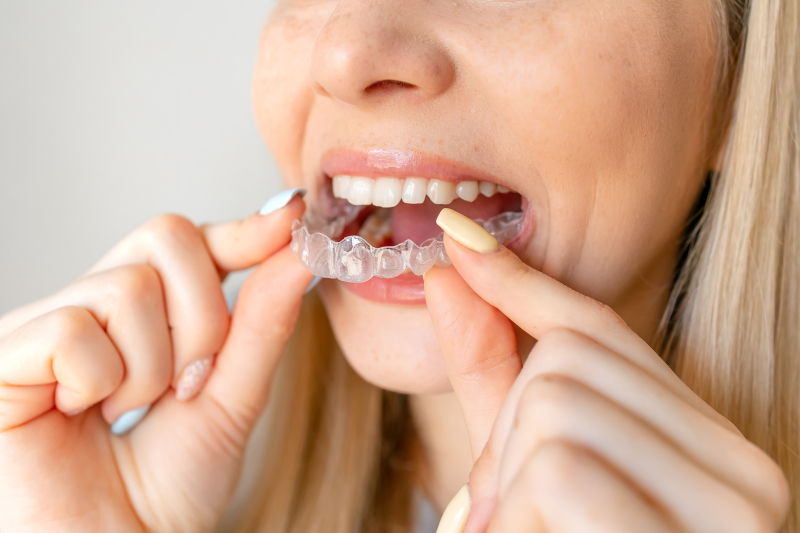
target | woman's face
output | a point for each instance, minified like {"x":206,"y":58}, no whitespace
{"x":596,"y":112}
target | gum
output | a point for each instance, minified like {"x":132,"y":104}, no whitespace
{"x":354,"y":260}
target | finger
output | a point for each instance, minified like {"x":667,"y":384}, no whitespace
{"x":562,"y":489}
{"x":196,"y":311}
{"x":190,"y":271}
{"x":263,"y":319}
{"x":191,"y":262}
{"x":539,"y":304}
{"x":724,"y":454}
{"x":127,"y":303}
{"x":62,"y":359}
{"x":241,"y":244}
{"x":479,"y":350}
{"x":554,"y":409}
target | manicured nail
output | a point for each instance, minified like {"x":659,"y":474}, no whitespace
{"x":313,"y":284}
{"x":129,"y":420}
{"x":455,"y":515}
{"x":192,"y":379}
{"x":466,"y":232}
{"x":281,"y":200}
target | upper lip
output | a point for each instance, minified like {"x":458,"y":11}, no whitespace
{"x":398,"y":163}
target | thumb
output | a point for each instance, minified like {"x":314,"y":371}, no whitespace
{"x":264,"y":316}
{"x":480,"y":354}
{"x":479,"y":349}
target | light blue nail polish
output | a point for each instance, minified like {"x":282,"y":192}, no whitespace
{"x":129,"y":420}
{"x":313,"y":284}
{"x":281,"y":200}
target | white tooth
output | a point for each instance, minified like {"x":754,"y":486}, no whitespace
{"x":360,"y":192}
{"x":487,"y":188}
{"x":387,"y":192}
{"x":502,"y":189}
{"x":414,"y":190}
{"x":441,"y":192}
{"x":467,"y":190}
{"x":341,"y":184}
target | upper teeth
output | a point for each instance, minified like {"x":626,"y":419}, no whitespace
{"x":387,"y":192}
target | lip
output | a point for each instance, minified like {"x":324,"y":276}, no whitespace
{"x":407,"y":289}
{"x":398,"y":163}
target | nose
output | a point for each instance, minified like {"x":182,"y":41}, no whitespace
{"x":373,"y":48}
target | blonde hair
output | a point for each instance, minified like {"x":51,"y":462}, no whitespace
{"x":735,"y":308}
{"x":342,"y":452}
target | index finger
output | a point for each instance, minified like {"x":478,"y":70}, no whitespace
{"x":539,"y":304}
{"x":192,"y":261}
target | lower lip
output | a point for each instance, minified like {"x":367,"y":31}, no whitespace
{"x":405,"y":289}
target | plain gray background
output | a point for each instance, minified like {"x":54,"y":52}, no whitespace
{"x":112,"y":112}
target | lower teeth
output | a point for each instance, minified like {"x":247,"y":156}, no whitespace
{"x":355,"y":260}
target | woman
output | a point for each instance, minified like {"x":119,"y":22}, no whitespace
{"x":651,"y":149}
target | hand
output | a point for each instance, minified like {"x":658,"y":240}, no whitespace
{"x":118,"y":339}
{"x":594,"y":433}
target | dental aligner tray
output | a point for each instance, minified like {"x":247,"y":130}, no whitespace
{"x":354,"y":260}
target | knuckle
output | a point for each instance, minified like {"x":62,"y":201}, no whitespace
{"x":558,"y":341}
{"x":560,"y":351}
{"x":279,"y":330}
{"x":171,"y":228}
{"x":72,"y":323}
{"x":544,"y":402}
{"x":137,"y":282}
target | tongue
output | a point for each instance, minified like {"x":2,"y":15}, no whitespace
{"x":417,"y":222}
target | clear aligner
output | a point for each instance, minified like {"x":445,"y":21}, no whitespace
{"x":354,"y":260}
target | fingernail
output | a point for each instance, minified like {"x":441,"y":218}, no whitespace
{"x":466,"y":232}
{"x":192,"y":379}
{"x":129,"y":420}
{"x":313,"y":284}
{"x":455,"y":515}
{"x":281,"y":200}
{"x":75,"y":412}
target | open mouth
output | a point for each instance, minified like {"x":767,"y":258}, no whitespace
{"x":405,"y":209}
{"x":378,"y":233}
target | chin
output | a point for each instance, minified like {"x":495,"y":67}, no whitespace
{"x":392,"y":346}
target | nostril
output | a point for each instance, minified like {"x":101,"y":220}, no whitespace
{"x":389,"y":85}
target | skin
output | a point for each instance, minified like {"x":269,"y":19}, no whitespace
{"x":600,"y":126}
{"x":595,"y":111}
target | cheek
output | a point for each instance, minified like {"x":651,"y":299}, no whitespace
{"x":282,"y":96}
{"x":391,"y":347}
{"x":607,"y":120}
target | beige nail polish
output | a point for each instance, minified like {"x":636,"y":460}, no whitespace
{"x":192,"y":379}
{"x":466,"y":232}
{"x":455,"y":515}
